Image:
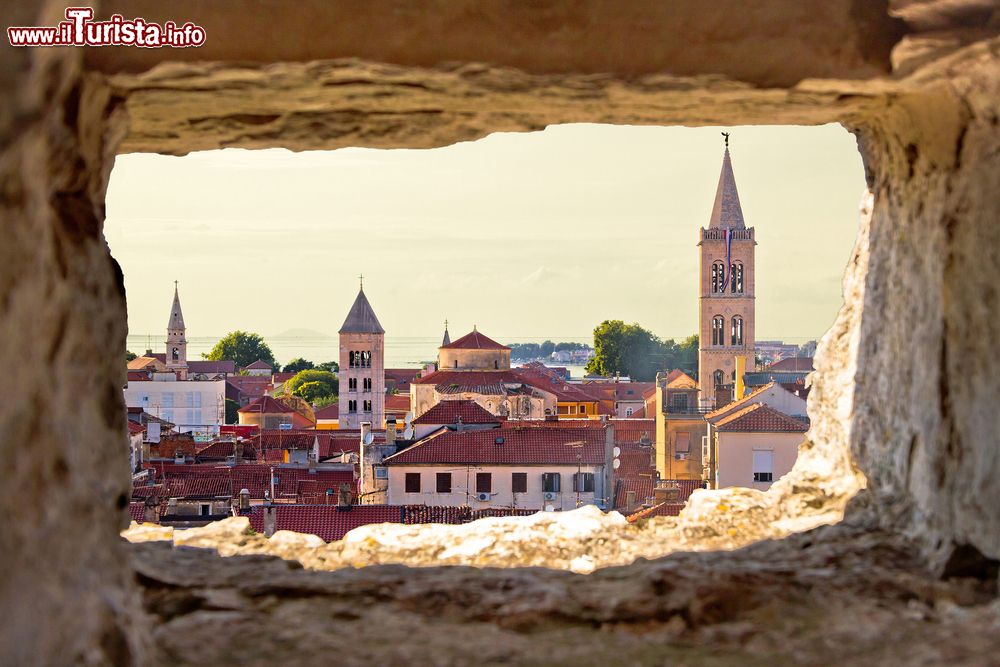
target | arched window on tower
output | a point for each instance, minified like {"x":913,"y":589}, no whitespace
{"x":718,"y":330}
{"x":737,"y":330}
{"x":718,"y":276}
{"x":719,"y":378}
{"x":736,"y":277}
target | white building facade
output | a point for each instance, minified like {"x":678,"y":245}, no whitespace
{"x":195,"y":406}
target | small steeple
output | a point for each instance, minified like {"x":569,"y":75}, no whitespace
{"x":726,"y":211}
{"x":447,"y":339}
{"x":176,"y":321}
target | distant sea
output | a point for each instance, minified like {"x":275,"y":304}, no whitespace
{"x":400,"y":351}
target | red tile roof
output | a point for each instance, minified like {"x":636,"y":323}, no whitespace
{"x":397,"y":403}
{"x":792,"y":364}
{"x":326,"y":521}
{"x":210,"y":367}
{"x":631,"y":391}
{"x":474,"y":341}
{"x":331,"y":523}
{"x":255,"y":477}
{"x":760,"y":418}
{"x":138,"y":512}
{"x":749,"y":399}
{"x":278,"y":378}
{"x":331,"y":411}
{"x":512,"y":446}
{"x":640,"y":413}
{"x":134,"y":428}
{"x":472,"y":378}
{"x":400,"y":378}
{"x":260,"y":364}
{"x":266,"y":405}
{"x":449,"y":412}
{"x":137,"y":376}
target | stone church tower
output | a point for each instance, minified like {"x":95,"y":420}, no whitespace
{"x":726,"y":290}
{"x":362,"y":367}
{"x":176,"y":357}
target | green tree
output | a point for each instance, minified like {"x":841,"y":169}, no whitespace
{"x":232,"y":411}
{"x":629,"y":349}
{"x":296,"y":365}
{"x":312,"y":384}
{"x":331,"y":366}
{"x":324,"y":401}
{"x":129,"y":356}
{"x":242,"y":347}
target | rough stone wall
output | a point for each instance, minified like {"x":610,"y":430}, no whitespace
{"x":66,"y":590}
{"x":906,"y":380}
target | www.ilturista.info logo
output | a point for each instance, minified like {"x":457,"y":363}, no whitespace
{"x":80,"y":30}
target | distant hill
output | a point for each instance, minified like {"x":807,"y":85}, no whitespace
{"x":301,"y":333}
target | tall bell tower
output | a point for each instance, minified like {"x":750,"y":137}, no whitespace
{"x":176,"y":341}
{"x":726,"y":291}
{"x":361,"y":379}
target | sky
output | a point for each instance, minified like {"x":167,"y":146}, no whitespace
{"x":525,"y":235}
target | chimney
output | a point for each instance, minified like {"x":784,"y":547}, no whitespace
{"x":311,"y":461}
{"x":390,"y":431}
{"x":178,"y":457}
{"x":238,"y":451}
{"x":666,"y":492}
{"x":244,"y":499}
{"x":151,"y":513}
{"x":344,"y":497}
{"x":366,"y":428}
{"x":149,"y":352}
{"x":458,"y":424}
{"x":270,"y":521}
{"x":171,"y":507}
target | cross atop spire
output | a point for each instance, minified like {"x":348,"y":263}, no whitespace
{"x":726,"y":135}
{"x":361,"y":281}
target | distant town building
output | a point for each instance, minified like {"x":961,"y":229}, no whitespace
{"x":260,"y":368}
{"x":362,"y":367}
{"x":528,"y":467}
{"x":176,"y":353}
{"x":726,"y":292}
{"x":193,"y":406}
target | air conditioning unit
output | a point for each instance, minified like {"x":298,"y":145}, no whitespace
{"x":549,"y":495}
{"x":483,"y":497}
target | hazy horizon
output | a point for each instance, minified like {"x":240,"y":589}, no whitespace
{"x":527,"y":236}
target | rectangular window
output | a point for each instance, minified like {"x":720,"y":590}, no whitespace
{"x":167,"y":399}
{"x":683,"y":443}
{"x":381,"y":472}
{"x":588,"y":482}
{"x":550,"y":482}
{"x":206,"y":510}
{"x":413,"y":482}
{"x":763,"y":466}
{"x":519,"y":482}
{"x":367,"y":384}
{"x":444,"y":482}
{"x":484,"y":482}
{"x":679,"y":401}
{"x":368,"y":406}
{"x":352,"y":384}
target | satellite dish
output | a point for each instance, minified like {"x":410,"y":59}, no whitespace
{"x":409,"y":417}
{"x":616,"y":463}
{"x":550,"y":508}
{"x":369,"y":438}
{"x":408,"y":433}
{"x":617,"y":451}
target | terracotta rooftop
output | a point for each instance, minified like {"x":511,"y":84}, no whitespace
{"x":513,"y":446}
{"x":745,"y":401}
{"x":266,"y":405}
{"x":449,"y":412}
{"x":663,"y":509}
{"x":331,"y":411}
{"x":260,"y":364}
{"x":760,"y":418}
{"x":474,"y":341}
{"x":223,"y":480}
{"x":210,"y":367}
{"x":792,"y":364}
{"x":397,"y":403}
{"x":473,"y":378}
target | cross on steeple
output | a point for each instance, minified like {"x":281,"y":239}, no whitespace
{"x":726,"y":135}
{"x":175,"y":284}
{"x":361,"y":279}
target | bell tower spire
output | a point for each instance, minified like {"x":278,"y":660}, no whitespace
{"x":726,"y":293}
{"x":176,"y":340}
